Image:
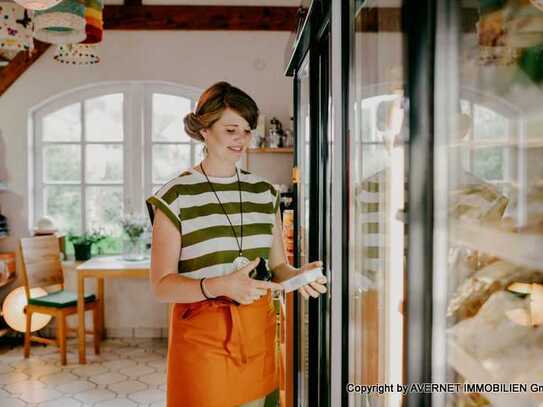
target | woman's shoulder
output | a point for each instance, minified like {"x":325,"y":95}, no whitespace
{"x":257,"y":179}
{"x":174,"y":183}
{"x":262,"y":185}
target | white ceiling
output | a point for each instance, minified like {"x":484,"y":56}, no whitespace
{"x":289,"y":3}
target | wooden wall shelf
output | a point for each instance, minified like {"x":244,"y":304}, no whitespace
{"x":271,"y":150}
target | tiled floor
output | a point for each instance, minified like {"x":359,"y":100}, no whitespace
{"x":128,"y":372}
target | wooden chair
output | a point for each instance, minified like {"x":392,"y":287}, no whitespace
{"x":42,"y":267}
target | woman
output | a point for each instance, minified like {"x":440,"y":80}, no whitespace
{"x":214,"y":223}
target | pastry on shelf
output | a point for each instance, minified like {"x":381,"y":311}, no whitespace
{"x":507,"y":351}
{"x":480,"y":202}
{"x":534,"y":315}
{"x":474,"y":291}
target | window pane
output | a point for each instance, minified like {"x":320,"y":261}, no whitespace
{"x":168,"y":160}
{"x":110,"y":245}
{"x":62,"y":163}
{"x":104,"y":163}
{"x":488,"y":163}
{"x":488,"y":124}
{"x":104,"y":208}
{"x":168,"y":113}
{"x":63,"y":204}
{"x":104,"y":118}
{"x":63,"y":125}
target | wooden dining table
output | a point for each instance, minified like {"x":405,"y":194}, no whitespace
{"x":100,"y":268}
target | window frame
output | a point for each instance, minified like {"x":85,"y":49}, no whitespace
{"x":137,"y":149}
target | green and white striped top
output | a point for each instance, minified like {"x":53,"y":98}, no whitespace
{"x":208,"y":245}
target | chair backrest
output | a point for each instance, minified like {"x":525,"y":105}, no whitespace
{"x":40,"y":262}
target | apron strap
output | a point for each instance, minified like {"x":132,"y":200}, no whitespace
{"x":236,"y":331}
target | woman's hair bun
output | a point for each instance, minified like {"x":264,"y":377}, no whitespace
{"x":211,"y":105}
{"x":193,"y":125}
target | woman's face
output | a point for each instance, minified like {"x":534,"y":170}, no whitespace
{"x":229,"y":136}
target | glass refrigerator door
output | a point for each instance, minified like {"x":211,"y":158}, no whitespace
{"x":377,"y":244}
{"x":489,"y":191}
{"x":302,"y":159}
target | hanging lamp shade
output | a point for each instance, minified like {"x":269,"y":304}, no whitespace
{"x":94,"y":21}
{"x":15,"y":28}
{"x":38,"y":4}
{"x":77,"y":54}
{"x":61,"y":24}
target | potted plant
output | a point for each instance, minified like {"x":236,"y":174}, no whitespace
{"x":83,"y":243}
{"x":134,"y":226}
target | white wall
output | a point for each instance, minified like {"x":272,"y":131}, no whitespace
{"x":252,"y":61}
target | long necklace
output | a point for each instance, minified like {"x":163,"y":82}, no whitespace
{"x":239,"y":261}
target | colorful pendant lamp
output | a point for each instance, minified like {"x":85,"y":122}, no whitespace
{"x":15,"y":28}
{"x":94,"y":21}
{"x":61,"y":24}
{"x":38,"y":4}
{"x":85,"y":53}
{"x":77,"y":54}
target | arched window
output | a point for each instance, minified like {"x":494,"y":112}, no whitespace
{"x":98,"y":151}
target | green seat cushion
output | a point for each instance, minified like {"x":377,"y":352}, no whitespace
{"x":59,"y":299}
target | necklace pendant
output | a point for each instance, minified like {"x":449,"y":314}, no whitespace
{"x":240,"y":262}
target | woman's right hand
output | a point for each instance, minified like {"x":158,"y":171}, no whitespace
{"x":242,"y":288}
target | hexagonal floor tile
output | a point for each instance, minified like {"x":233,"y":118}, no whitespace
{"x":37,"y":371}
{"x":6,"y":368}
{"x":89,"y":370}
{"x":59,"y":378}
{"x":8,"y":378}
{"x":40,"y":395}
{"x":52,"y":358}
{"x":102,"y":380}
{"x":12,"y":402}
{"x":119,"y":364}
{"x":130,"y":351}
{"x":108,"y":378}
{"x":103,"y":357}
{"x":43,"y":350}
{"x":120,"y":402}
{"x":23,"y":363}
{"x":61,"y":402}
{"x":148,"y":396}
{"x":127,"y":387}
{"x":158,"y":364}
{"x":94,"y":396}
{"x":24,"y":386}
{"x":153,"y":379}
{"x":76,"y":387}
{"x":147,"y":357}
{"x":137,"y":371}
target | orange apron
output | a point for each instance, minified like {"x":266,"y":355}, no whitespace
{"x":221,"y":354}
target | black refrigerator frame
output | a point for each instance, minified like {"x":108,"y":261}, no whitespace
{"x":419,"y":24}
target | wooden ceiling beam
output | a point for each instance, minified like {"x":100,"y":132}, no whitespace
{"x":134,"y":16}
{"x":19,"y":64}
{"x":243,"y":18}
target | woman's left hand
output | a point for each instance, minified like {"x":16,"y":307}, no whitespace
{"x":315,"y":288}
